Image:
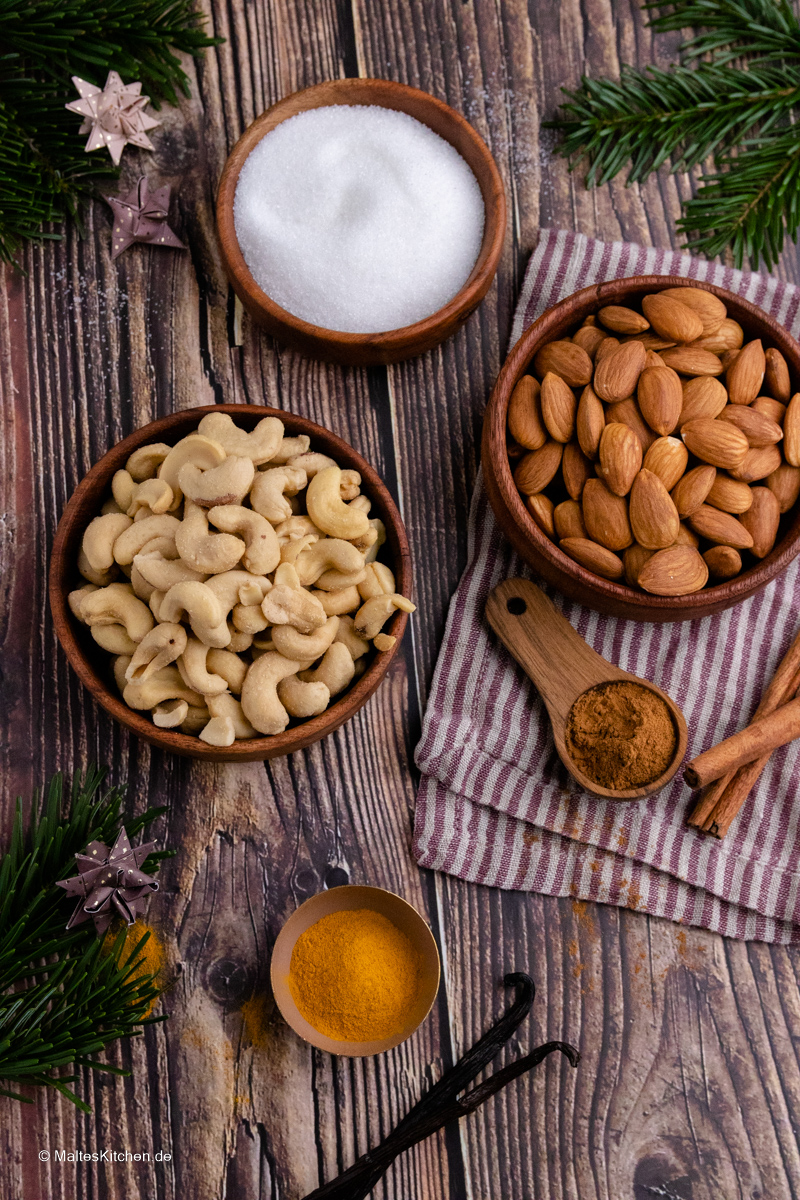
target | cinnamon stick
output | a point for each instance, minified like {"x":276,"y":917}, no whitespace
{"x":762,"y":737}
{"x":722,"y":800}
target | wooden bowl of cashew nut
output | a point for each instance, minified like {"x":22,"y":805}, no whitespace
{"x":245,"y":611}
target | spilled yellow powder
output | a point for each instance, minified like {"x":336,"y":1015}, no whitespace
{"x":255,"y":1014}
{"x":354,"y":976}
{"x":152,"y":956}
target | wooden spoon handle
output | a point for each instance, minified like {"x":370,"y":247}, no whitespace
{"x":545,"y":645}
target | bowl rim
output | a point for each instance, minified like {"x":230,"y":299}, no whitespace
{"x":386,"y":94}
{"x":685,"y":607}
{"x":73,"y":520}
{"x":296,"y":923}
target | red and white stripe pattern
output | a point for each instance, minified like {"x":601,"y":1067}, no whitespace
{"x":497,"y":807}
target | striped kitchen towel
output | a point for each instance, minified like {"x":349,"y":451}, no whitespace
{"x":496,"y":806}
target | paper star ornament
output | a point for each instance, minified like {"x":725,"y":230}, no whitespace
{"x":141,"y":216}
{"x":109,"y":882}
{"x":113,"y":115}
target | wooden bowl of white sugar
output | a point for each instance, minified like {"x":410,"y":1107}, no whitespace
{"x":361,"y":221}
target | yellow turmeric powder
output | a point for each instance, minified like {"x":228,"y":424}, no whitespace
{"x":151,"y":956}
{"x":354,"y":976}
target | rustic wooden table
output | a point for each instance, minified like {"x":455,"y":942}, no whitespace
{"x":690,"y":1081}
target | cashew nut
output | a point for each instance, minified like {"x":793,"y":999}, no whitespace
{"x":110,"y":506}
{"x":196,"y":719}
{"x":328,"y":553}
{"x":218,"y":732}
{"x":304,"y":647}
{"x":259,"y":446}
{"x":263,"y":551}
{"x":228,"y":706}
{"x":345,"y":600}
{"x":270,"y":489}
{"x":335,"y":581}
{"x":312,"y":462}
{"x":117,"y":605}
{"x":131,"y":540}
{"x":164,"y":573}
{"x":240,"y":641}
{"x":290,"y":447}
{"x":355,"y":643}
{"x":374,"y":550}
{"x":205,"y":613}
{"x":232,"y":668}
{"x":99,"y":538}
{"x":327,"y":509}
{"x":75,"y":599}
{"x":123,"y":487}
{"x":170,"y":714}
{"x":157,"y":649}
{"x":228,"y":483}
{"x":194,"y":672}
{"x":155,"y":602}
{"x":303,"y":699}
{"x":113,"y":638}
{"x":228,"y":586}
{"x":362,"y":503}
{"x":294,"y":547}
{"x":141,"y":587}
{"x":166,"y":684}
{"x":248,"y":618}
{"x":379,"y":581}
{"x":336,"y":670}
{"x":383,"y":641}
{"x":260,"y":702}
{"x":98,"y":578}
{"x":293,"y":606}
{"x":209,"y":553}
{"x":194,"y":450}
{"x":145,"y":461}
{"x":153,"y":494}
{"x":349,"y":485}
{"x":374,"y":613}
{"x":119,"y":667}
{"x":296,"y":529}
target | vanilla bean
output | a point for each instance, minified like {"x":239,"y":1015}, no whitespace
{"x":441,"y":1105}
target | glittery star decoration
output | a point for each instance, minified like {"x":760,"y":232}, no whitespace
{"x":109,"y":882}
{"x":113,"y":115}
{"x":141,"y":216}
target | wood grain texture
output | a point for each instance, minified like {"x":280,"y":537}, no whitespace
{"x":690,"y":1082}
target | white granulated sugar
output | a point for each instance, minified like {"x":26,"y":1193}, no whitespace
{"x":358,"y":218}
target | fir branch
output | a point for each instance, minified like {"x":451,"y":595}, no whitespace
{"x":767,"y":28}
{"x":63,"y":997}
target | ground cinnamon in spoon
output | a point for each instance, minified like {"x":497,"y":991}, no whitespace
{"x":621,"y":735}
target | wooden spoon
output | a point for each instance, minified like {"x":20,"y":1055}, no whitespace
{"x":563,"y":667}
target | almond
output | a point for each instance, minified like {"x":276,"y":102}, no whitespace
{"x":687,"y":536}
{"x":651,"y":359}
{"x":627,"y":413}
{"x":537,"y":468}
{"x":728,"y":358}
{"x":616,"y":376}
{"x":590,"y":421}
{"x":660,"y":397}
{"x":619,"y":319}
{"x":745,"y":376}
{"x":565,"y":359}
{"x":729,"y":336}
{"x":674,"y":572}
{"x":576,"y":469}
{"x":716,"y":442}
{"x":653,"y":516}
{"x":667,"y":458}
{"x":731,"y":495}
{"x":633,"y":560}
{"x":709,"y":308}
{"x":541,"y":509}
{"x":525,"y":414}
{"x":758,"y":429}
{"x":672,"y":319}
{"x":688,"y":360}
{"x":513,"y":448}
{"x":558,"y":407}
{"x":720,"y":528}
{"x":723,"y":561}
{"x":761,"y":520}
{"x":791,"y":432}
{"x":785,"y":483}
{"x":770,"y":408}
{"x":777,"y":379}
{"x":702,"y":397}
{"x":606,"y":347}
{"x":758,"y":464}
{"x":650,"y":341}
{"x":593,"y":557}
{"x":691,"y":491}
{"x":620,"y":457}
{"x":568,"y":520}
{"x":589,"y":338}
{"x":606,"y":516}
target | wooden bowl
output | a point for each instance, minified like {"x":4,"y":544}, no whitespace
{"x":544,"y":555}
{"x":93,"y":665}
{"x":367,"y":349}
{"x":403,"y":915}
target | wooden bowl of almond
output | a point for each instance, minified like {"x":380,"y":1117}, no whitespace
{"x":641,"y":448}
